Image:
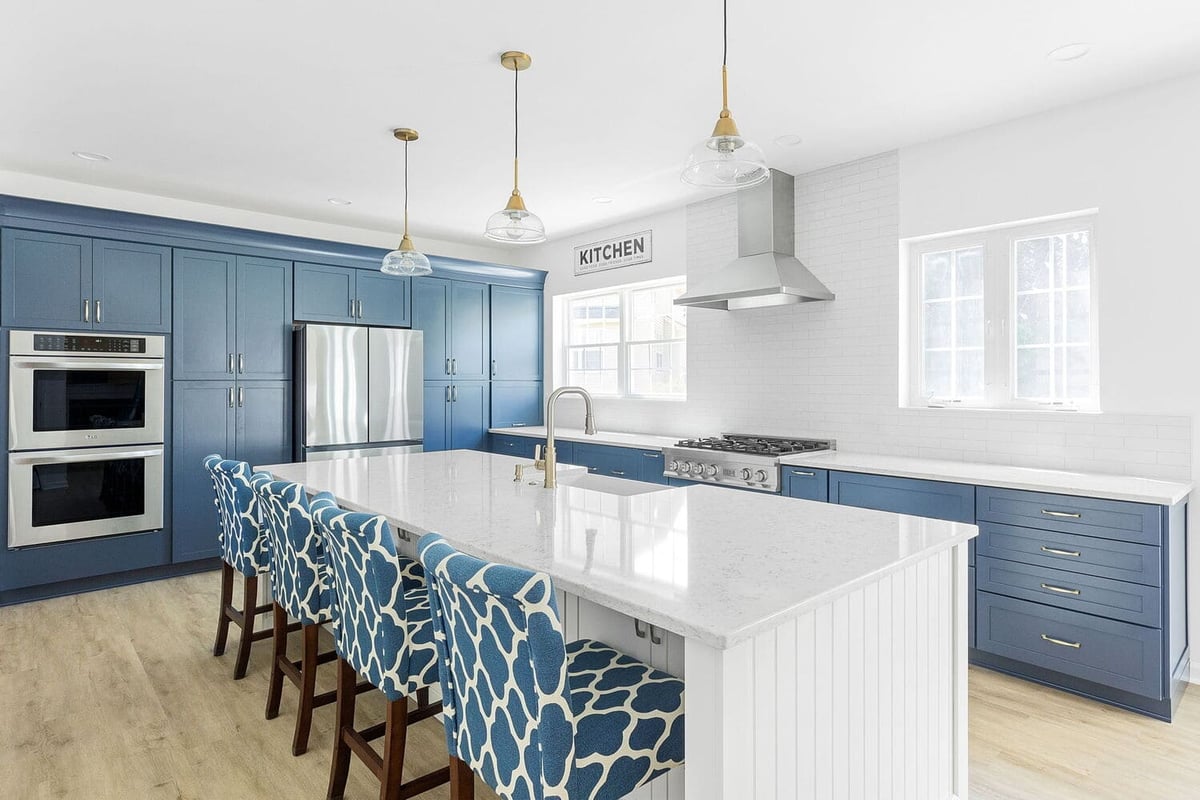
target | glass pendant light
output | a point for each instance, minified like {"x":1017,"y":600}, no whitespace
{"x":515,"y":224}
{"x":725,"y":159}
{"x":405,"y":259}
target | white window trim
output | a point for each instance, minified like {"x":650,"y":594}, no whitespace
{"x":563,"y":345}
{"x":1000,"y":351}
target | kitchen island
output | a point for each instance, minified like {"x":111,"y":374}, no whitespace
{"x":823,"y":647}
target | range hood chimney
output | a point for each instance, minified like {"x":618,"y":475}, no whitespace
{"x":766,"y":271}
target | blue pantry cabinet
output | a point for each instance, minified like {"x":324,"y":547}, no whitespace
{"x":66,"y":282}
{"x":456,"y":415}
{"x":454,"y":316}
{"x":351,"y":296}
{"x":516,"y":324}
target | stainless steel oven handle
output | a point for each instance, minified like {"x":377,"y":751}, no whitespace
{"x":96,"y":364}
{"x":94,"y":455}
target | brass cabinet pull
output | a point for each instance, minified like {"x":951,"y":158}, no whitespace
{"x":87,"y":309}
{"x":1056,"y":552}
{"x":1061,"y":642}
{"x":1059,"y":589}
{"x":1066,"y":514}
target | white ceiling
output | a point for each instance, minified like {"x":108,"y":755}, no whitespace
{"x":277,"y":106}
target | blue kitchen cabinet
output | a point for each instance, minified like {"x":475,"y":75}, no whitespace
{"x":437,"y":416}
{"x":456,"y":415}
{"x":519,"y":446}
{"x":650,"y":466}
{"x":264,"y":422}
{"x":602,"y":459}
{"x":75,"y":283}
{"x":806,"y":483}
{"x":516,"y":323}
{"x":131,"y":287}
{"x":325,"y":293}
{"x":454,"y":316}
{"x":516,"y":404}
{"x":263,"y":330}
{"x":203,"y":421}
{"x":921,"y":498}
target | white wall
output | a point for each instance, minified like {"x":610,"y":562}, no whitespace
{"x":42,"y":188}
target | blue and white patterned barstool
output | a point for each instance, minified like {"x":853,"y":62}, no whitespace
{"x":300,"y":585}
{"x":533,"y":716}
{"x":245,"y":548}
{"x":383,"y":632}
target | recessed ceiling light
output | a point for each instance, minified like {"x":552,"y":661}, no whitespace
{"x":788,"y":140}
{"x":602,"y":199}
{"x":338,"y":201}
{"x":86,"y":156}
{"x":1070,"y":52}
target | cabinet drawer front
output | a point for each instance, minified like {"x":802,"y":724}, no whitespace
{"x":1103,"y":651}
{"x":1129,"y":602}
{"x":519,"y":446}
{"x":1109,"y":519}
{"x":1106,"y":558}
{"x":806,"y":483}
{"x":934,"y":499}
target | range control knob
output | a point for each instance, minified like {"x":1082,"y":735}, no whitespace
{"x":760,"y":476}
{"x":696,"y":467}
{"x":711,"y":470}
{"x":684,"y":467}
{"x":674,"y":466}
{"x":745,"y":474}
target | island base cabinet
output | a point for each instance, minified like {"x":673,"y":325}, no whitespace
{"x":864,"y":696}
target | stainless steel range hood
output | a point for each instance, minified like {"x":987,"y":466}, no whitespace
{"x":766,"y":271}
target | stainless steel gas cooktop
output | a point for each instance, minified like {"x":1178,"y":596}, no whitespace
{"x":748,"y":462}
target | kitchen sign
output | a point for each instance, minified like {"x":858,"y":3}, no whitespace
{"x":624,"y":251}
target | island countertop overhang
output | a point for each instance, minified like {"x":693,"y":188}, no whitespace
{"x":714,"y":564}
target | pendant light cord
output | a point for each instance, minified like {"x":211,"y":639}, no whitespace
{"x":406,"y":187}
{"x":724,"y":58}
{"x":516,"y":125}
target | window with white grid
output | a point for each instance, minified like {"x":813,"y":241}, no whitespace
{"x":1004,"y":318}
{"x":627,"y":341}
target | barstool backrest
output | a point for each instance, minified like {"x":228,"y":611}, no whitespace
{"x":373,"y":588}
{"x":299,"y":573}
{"x":244,"y":542}
{"x":503,"y":666}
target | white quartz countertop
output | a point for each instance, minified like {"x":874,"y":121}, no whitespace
{"x":1083,"y":484}
{"x":710,"y":563}
{"x":646,"y":441}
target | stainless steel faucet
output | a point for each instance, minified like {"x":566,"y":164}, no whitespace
{"x":589,"y":427}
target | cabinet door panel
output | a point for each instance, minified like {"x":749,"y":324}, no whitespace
{"x":203,"y":316}
{"x":650,"y":466}
{"x":431,"y":315}
{"x":516,"y":334}
{"x":437,"y":415}
{"x":469,"y":410}
{"x":131,"y":284}
{"x":324,"y":294}
{"x":806,"y":483}
{"x":516,"y":404}
{"x":203,"y":423}
{"x":383,"y":299}
{"x":46,"y":279}
{"x":264,"y":414}
{"x":264,"y":319}
{"x":922,"y":498}
{"x":470,"y":341}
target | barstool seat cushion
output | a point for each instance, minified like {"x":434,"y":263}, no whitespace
{"x":628,"y":720}
{"x":245,"y":545}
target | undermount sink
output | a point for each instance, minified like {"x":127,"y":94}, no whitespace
{"x":607,"y":485}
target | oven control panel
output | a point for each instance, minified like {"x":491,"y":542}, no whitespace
{"x":721,"y":468}
{"x":82,"y":343}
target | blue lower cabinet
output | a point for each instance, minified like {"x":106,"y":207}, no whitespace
{"x":516,"y":404}
{"x":1105,"y":558}
{"x":204,"y":421}
{"x":921,"y":498}
{"x":437,"y":416}
{"x":805,"y":483}
{"x":602,"y":459}
{"x":1085,"y":516}
{"x":519,"y":446}
{"x":456,"y":415}
{"x":650,"y":466}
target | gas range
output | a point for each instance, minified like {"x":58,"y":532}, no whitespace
{"x":747,"y":462}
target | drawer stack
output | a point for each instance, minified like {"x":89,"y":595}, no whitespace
{"x":1074,"y":592}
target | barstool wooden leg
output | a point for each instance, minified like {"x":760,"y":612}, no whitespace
{"x":422,"y":698}
{"x":395,"y":737}
{"x":339,"y":768}
{"x":223,"y":617}
{"x":308,"y":688}
{"x":278,"y":652}
{"x":462,"y":780}
{"x":249,"y":615}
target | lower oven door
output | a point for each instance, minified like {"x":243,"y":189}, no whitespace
{"x":61,"y":495}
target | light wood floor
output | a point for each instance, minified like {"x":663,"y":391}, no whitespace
{"x":116,"y":695}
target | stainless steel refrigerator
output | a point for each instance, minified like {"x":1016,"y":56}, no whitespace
{"x":359,"y":391}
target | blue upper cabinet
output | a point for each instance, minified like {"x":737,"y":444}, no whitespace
{"x":383,"y":299}
{"x":47,"y":280}
{"x":516,"y":334}
{"x":76,"y":283}
{"x":431,"y":315}
{"x":203,"y":346}
{"x":263,"y":330}
{"x":131,"y":287}
{"x":516,"y":404}
{"x":351,"y":296}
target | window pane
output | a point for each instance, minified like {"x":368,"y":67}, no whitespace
{"x":593,"y":368}
{"x":1079,"y":259}
{"x":594,"y":320}
{"x":968,"y":272}
{"x":937,"y":324}
{"x":658,"y":369}
{"x":1033,"y":318}
{"x":968,"y":373}
{"x":1033,"y":372}
{"x":1077,"y":369}
{"x":654,"y":315}
{"x":968,"y":323}
{"x":1078,"y":318}
{"x":935,"y":275}
{"x":937,"y":373}
{"x":1033,"y":264}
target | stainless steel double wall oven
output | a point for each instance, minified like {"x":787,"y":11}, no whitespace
{"x":85,"y":435}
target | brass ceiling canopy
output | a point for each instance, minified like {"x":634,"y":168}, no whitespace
{"x":515,"y":60}
{"x":406,"y":134}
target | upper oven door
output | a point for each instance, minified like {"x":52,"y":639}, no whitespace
{"x":63,"y":401}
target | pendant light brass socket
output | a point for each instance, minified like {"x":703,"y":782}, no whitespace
{"x":725,"y":125}
{"x":515,"y":202}
{"x":406,"y":244}
{"x":405,"y":134}
{"x":515,"y":60}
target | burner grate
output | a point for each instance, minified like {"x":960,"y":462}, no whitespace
{"x":755,"y":445}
